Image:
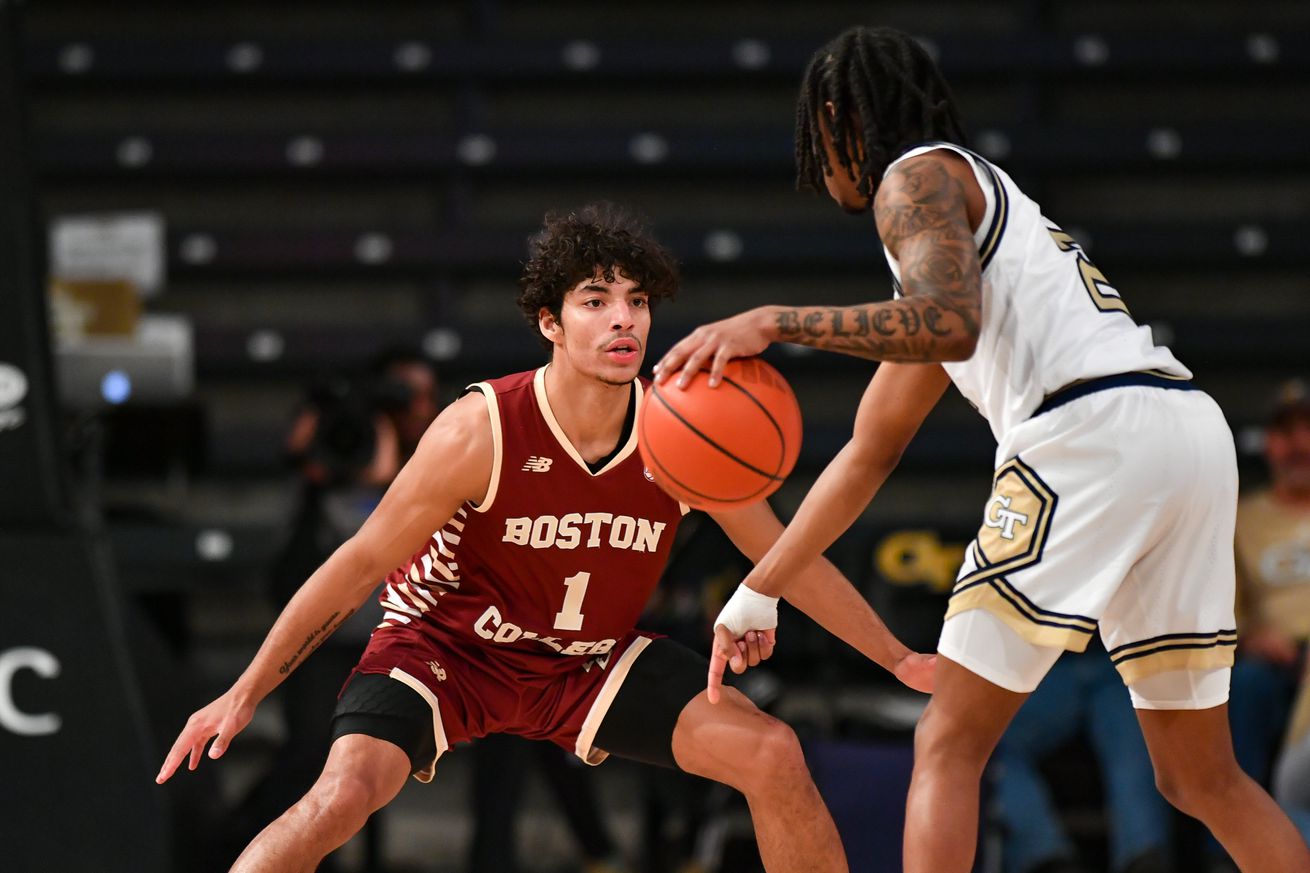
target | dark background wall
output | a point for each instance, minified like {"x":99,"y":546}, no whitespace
{"x":335,"y":177}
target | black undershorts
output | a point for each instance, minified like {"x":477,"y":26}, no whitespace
{"x":639,"y":724}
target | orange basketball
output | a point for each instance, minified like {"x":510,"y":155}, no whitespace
{"x":724,"y":447}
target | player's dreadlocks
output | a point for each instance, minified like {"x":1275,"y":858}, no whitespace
{"x":600,"y":238}
{"x":884,"y":80}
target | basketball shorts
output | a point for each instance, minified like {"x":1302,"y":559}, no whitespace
{"x":425,"y":695}
{"x":1113,"y":513}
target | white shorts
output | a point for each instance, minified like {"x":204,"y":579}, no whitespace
{"x":1113,"y":512}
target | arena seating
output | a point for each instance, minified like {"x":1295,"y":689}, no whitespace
{"x":336,"y":177}
{"x":372,"y":177}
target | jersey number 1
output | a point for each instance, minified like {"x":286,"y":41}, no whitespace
{"x":570,"y":617}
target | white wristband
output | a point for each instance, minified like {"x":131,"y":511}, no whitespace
{"x":747,"y":610}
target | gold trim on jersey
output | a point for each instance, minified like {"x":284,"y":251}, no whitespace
{"x":1179,"y":651}
{"x":1093,"y":279}
{"x":1163,"y":374}
{"x":539,"y":387}
{"x":497,"y":444}
{"x":1000,"y":215}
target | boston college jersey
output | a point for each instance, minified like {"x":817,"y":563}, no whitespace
{"x":1049,"y":317}
{"x":557,"y":562}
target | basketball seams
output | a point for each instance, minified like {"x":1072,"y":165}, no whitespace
{"x":715,"y":445}
{"x":649,"y":454}
{"x":724,"y":428}
{"x":782,"y":438}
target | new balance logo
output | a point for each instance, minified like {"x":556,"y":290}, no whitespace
{"x":537,"y":464}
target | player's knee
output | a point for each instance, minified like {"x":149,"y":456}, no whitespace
{"x":344,"y":800}
{"x":944,"y":741}
{"x":1196,"y":790}
{"x":781,"y":749}
{"x":775,"y":757}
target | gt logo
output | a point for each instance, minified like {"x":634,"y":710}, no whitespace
{"x":1002,"y":517}
{"x":1016,"y":523}
{"x":537,"y":464}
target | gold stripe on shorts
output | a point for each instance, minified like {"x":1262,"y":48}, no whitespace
{"x":1180,"y":651}
{"x":1037,"y":626}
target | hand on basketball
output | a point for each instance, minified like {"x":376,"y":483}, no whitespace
{"x":224,"y":718}
{"x":916,"y":671}
{"x":749,"y":651}
{"x":713,"y":345}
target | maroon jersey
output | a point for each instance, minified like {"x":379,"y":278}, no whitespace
{"x":556,"y":564}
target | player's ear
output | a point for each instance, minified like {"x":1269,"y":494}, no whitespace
{"x":549,"y":326}
{"x":829,"y":108}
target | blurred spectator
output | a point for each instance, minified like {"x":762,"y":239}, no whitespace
{"x":407,"y":393}
{"x":1292,"y":774}
{"x":355,"y":433}
{"x":1273,"y":588}
{"x":347,"y":443}
{"x":1082,"y":694}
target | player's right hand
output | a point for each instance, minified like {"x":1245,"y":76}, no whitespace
{"x":727,"y":651}
{"x":711,"y":346}
{"x":224,"y":718}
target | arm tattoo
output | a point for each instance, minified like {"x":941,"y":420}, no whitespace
{"x":920,"y":210}
{"x":314,"y":639}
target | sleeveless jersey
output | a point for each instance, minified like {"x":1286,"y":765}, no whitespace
{"x":1049,"y":317}
{"x":557,"y":562}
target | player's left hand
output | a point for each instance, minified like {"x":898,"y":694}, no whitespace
{"x":714,"y":344}
{"x":749,"y":651}
{"x":917,"y":671}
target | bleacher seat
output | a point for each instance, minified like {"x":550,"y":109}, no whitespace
{"x":401,"y":154}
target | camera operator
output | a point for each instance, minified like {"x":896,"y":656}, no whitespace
{"x":347,"y":442}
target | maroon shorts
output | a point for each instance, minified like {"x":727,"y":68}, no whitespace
{"x":473,"y":695}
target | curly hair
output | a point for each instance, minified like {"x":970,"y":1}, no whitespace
{"x":597,"y":239}
{"x":887,"y":80}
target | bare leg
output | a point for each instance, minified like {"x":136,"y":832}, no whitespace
{"x":952,"y":743}
{"x":1195,"y":770}
{"x":734,"y":743}
{"x":362,"y":774}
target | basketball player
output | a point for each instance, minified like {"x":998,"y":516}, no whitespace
{"x":1115,"y":484}
{"x":517,"y":614}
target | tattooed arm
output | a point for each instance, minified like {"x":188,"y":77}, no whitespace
{"x":921,"y":209}
{"x":922,"y":220}
{"x":451,"y":465}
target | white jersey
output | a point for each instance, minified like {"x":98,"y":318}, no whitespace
{"x":1049,"y":317}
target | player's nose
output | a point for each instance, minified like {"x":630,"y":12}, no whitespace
{"x":622,"y":316}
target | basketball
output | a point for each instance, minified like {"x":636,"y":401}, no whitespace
{"x":724,"y":447}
